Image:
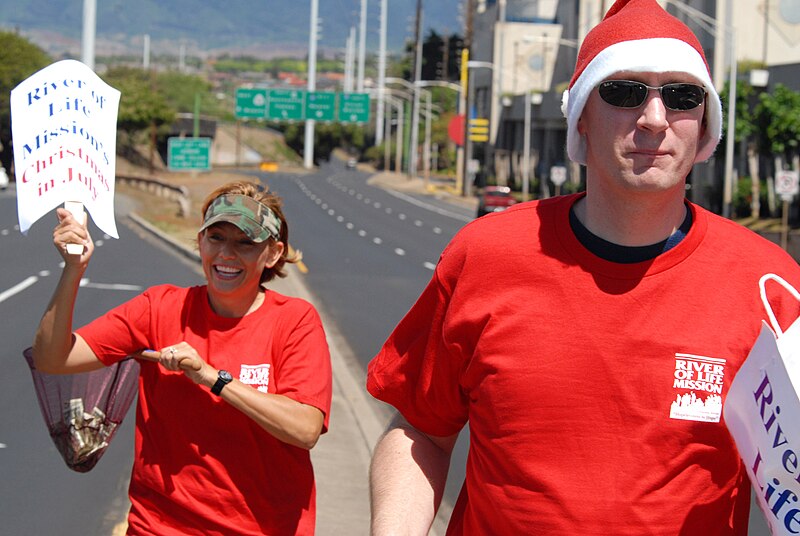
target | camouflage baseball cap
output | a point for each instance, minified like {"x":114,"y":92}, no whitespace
{"x":255,"y":219}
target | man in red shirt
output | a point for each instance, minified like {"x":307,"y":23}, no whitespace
{"x":590,"y":354}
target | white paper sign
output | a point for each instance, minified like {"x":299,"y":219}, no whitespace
{"x":64,"y":127}
{"x":761,"y":413}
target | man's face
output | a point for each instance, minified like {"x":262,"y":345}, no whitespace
{"x":645,"y":149}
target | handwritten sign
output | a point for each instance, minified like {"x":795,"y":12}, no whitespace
{"x":64,"y":127}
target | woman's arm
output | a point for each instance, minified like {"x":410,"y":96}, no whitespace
{"x":407,"y":479}
{"x":55,"y":349}
{"x":286,"y":419}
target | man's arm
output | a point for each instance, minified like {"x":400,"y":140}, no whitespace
{"x":407,"y":479}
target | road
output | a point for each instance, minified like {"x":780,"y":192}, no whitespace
{"x":38,"y":494}
{"x":369,"y":252}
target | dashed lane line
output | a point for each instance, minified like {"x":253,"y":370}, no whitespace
{"x":361,"y":232}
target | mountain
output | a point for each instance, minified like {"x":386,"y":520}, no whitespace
{"x":261,"y":28}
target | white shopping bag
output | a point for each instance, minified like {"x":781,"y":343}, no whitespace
{"x":762,"y":413}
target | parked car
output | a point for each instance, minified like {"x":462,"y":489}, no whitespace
{"x":495,"y":199}
{"x":3,"y":178}
{"x":352,"y":162}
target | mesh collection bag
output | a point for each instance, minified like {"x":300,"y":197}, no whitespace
{"x":83,"y":411}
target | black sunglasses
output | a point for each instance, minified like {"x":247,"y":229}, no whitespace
{"x":629,"y":94}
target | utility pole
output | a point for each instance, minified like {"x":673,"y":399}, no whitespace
{"x":146,"y":53}
{"x":308,"y":146}
{"x":445,"y":72}
{"x":89,"y":30}
{"x":468,"y":22}
{"x":349,"y":61}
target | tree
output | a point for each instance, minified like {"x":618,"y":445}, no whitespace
{"x":778,"y":118}
{"x":19,"y":59}
{"x":142,"y":105}
{"x":767,"y":126}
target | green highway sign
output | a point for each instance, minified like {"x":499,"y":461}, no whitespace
{"x":189,"y":154}
{"x":251,"y":103}
{"x":321,"y":105}
{"x":354,"y":107}
{"x":286,"y":104}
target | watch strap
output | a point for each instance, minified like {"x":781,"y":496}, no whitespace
{"x":223,"y":379}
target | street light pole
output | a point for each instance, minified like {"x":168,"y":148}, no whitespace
{"x":428,"y":106}
{"x":308,"y":146}
{"x":89,"y":31}
{"x":412,"y":161}
{"x":362,"y":39}
{"x":381,"y":75}
{"x":400,"y":96}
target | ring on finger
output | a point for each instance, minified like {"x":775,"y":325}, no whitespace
{"x":172,"y":351}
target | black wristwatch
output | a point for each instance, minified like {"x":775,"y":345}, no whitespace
{"x":223,"y":378}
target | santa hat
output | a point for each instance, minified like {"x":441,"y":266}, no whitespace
{"x":638,"y":36}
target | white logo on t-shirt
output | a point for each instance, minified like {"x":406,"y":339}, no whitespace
{"x":698,"y":383}
{"x":257,"y":376}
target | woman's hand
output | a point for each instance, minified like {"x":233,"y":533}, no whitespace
{"x":183,"y":357}
{"x":70,"y":231}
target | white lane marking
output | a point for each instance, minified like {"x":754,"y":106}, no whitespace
{"x":331,"y":212}
{"x":388,"y":210}
{"x":349,"y":226}
{"x":112,"y":286}
{"x":99,"y":243}
{"x":437,"y":230}
{"x":44,"y":273}
{"x":429,"y":266}
{"x":19,"y":287}
{"x":324,"y":206}
{"x":399,"y":251}
{"x":428,"y":206}
{"x":5,"y":232}
{"x":362,"y":233}
{"x":377,"y":240}
{"x":340,"y":219}
{"x":418,"y":223}
{"x":401,"y":216}
{"x":3,"y":445}
{"x":376,"y":204}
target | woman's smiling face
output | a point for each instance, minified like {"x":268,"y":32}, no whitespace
{"x":233,"y":263}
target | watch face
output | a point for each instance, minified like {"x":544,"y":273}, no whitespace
{"x":224,"y":375}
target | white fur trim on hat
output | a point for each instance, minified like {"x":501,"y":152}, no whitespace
{"x":657,"y":55}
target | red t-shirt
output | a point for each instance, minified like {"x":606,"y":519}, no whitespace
{"x":593,"y":390}
{"x":201,"y":466}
